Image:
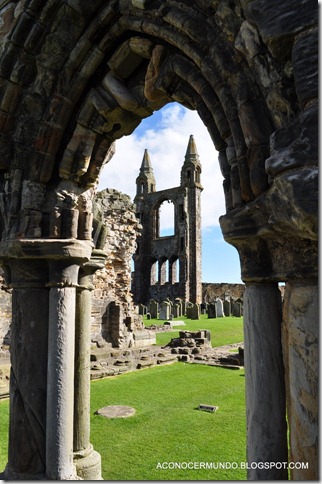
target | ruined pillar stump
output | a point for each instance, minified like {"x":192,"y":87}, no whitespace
{"x":301,"y":355}
{"x":265,"y":390}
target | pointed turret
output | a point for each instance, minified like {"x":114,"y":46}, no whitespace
{"x":145,"y":182}
{"x":191,"y":169}
{"x":191,"y":148}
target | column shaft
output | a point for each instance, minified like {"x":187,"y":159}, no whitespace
{"x":86,"y":459}
{"x":301,"y":353}
{"x":82,"y":366}
{"x":265,"y":389}
{"x":60,"y":391}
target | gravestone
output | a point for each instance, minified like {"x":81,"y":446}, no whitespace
{"x":164,"y":310}
{"x":203,"y":308}
{"x":236,"y":309}
{"x":220,"y":308}
{"x":195,"y":312}
{"x":177,"y":310}
{"x":142,"y":309}
{"x":154,"y":309}
{"x":227,"y":308}
{"x":212,"y":310}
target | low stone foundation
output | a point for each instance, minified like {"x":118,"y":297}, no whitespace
{"x":111,"y":362}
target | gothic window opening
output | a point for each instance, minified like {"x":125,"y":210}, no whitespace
{"x":154,"y":274}
{"x":166,"y":217}
{"x":198,"y":175}
{"x":174,"y":271}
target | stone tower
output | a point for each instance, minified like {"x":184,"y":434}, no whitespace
{"x":170,"y":265}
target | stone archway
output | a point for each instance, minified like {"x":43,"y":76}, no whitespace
{"x":74,"y":77}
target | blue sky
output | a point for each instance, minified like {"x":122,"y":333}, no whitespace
{"x":166,"y":134}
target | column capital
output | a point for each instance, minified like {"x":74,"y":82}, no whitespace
{"x":50,"y":249}
{"x":266,"y":252}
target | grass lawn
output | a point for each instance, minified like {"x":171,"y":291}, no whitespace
{"x":4,"y":420}
{"x":167,"y":426}
{"x":224,"y":331}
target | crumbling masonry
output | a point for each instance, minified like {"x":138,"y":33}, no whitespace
{"x":74,"y":77}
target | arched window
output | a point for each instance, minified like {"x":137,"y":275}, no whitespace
{"x":165,"y":217}
{"x":174,"y":272}
{"x":154,"y":273}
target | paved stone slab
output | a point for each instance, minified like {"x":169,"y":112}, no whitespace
{"x":116,"y":411}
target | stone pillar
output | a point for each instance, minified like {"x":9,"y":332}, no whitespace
{"x":44,"y":275}
{"x":60,"y":376}
{"x":86,"y":459}
{"x":264,"y":372}
{"x":301,"y":355}
{"x":28,"y":376}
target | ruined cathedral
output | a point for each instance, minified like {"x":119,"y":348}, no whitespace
{"x":169,"y":266}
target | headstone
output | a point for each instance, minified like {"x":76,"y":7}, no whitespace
{"x":192,"y":311}
{"x":154,"y":309}
{"x":220,"y":308}
{"x":142,"y":309}
{"x":212,"y":310}
{"x":203,"y":308}
{"x":227,"y":308}
{"x":195,"y":312}
{"x":164,"y":310}
{"x":236,"y":309}
{"x":148,"y":316}
{"x":177,"y":310}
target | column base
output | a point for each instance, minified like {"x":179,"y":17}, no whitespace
{"x":10,"y":475}
{"x":88,"y":464}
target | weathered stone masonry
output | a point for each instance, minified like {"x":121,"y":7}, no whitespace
{"x":114,"y":318}
{"x":74,"y":77}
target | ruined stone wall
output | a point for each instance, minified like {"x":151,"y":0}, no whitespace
{"x":222,"y":290}
{"x":114,"y":317}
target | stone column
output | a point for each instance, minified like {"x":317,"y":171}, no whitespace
{"x":301,"y":354}
{"x":28,"y":375}
{"x":264,"y":372}
{"x":43,"y":274}
{"x":60,"y":389}
{"x":86,"y":459}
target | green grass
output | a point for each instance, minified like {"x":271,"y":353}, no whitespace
{"x":167,"y":426}
{"x":4,"y":419}
{"x":224,"y":331}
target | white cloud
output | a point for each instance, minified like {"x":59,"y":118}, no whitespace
{"x":166,"y":137}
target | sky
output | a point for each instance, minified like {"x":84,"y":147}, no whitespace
{"x":166,"y":134}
